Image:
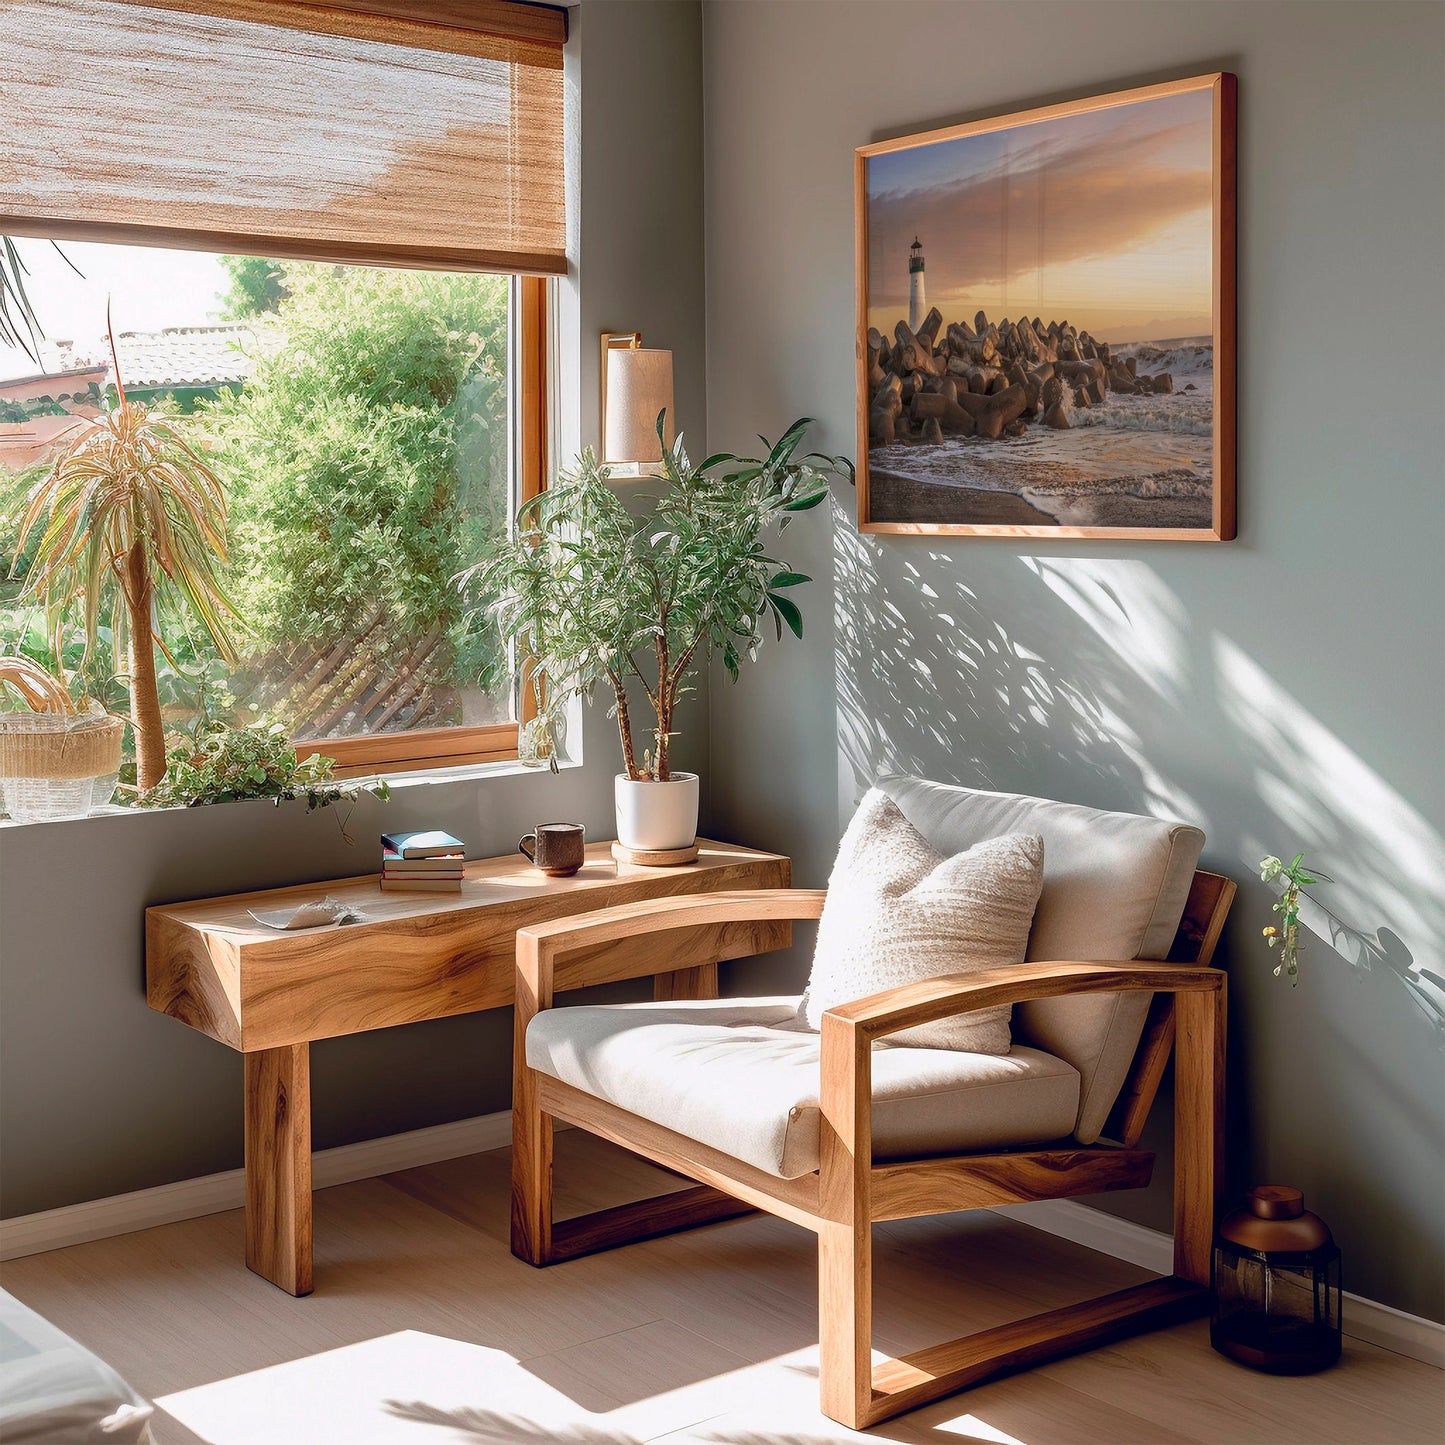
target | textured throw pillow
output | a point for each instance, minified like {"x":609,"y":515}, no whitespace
{"x":898,"y":912}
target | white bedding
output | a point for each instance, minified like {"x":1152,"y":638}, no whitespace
{"x":54,"y":1390}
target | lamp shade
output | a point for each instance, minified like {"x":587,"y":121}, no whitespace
{"x":639,"y":385}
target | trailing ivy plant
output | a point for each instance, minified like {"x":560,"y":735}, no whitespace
{"x":221,"y":764}
{"x":591,"y":592}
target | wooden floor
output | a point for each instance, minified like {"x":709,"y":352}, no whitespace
{"x":425,"y":1329}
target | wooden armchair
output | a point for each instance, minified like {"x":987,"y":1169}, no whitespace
{"x":864,"y":1164}
{"x":849,"y":1192}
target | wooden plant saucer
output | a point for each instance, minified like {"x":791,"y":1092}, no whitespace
{"x":655,"y":857}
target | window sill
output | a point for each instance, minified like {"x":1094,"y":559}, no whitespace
{"x":464,"y":772}
{"x":424,"y":777}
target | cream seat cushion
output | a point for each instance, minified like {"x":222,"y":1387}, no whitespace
{"x":741,"y":1076}
{"x":1114,"y":886}
{"x":899,"y":912}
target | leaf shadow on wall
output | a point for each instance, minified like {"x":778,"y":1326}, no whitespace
{"x":1096,"y":691}
{"x":1087,"y":678}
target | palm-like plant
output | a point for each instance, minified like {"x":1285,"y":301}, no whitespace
{"x":18,"y":326}
{"x":132,"y":520}
{"x":593,"y":593}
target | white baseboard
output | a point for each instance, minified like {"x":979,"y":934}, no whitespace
{"x":212,"y":1193}
{"x":1120,"y":1238}
{"x":1364,"y":1319}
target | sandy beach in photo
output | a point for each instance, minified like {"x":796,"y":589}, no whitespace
{"x":898,"y":497}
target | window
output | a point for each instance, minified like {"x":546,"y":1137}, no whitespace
{"x":342,"y":291}
{"x":372,"y":429}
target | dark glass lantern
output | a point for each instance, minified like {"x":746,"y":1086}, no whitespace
{"x":1276,"y":1280}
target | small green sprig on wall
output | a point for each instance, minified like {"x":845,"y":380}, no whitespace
{"x":1285,"y":937}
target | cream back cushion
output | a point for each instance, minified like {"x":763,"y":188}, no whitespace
{"x":898,"y":911}
{"x":1114,"y":886}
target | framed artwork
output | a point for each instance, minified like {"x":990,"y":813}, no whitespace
{"x":1046,"y":321}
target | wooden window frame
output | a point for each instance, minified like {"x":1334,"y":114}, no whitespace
{"x":517,"y":21}
{"x":427,"y":749}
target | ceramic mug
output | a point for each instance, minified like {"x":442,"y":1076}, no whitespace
{"x":555,"y":848}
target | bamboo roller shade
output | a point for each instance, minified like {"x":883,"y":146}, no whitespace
{"x":335,"y":132}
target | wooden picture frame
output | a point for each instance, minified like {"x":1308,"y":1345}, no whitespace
{"x":1115,"y":204}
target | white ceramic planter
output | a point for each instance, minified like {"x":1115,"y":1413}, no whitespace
{"x":657,"y":816}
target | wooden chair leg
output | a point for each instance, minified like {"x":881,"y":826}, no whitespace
{"x":845,"y":1236}
{"x":845,"y":1322}
{"x":532,"y":1131}
{"x":858,"y":1396}
{"x":532,"y":1190}
{"x":1198,"y":1128}
{"x":532,"y":1185}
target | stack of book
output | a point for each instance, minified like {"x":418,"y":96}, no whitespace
{"x":421,"y":862}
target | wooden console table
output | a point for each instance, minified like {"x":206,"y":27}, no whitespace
{"x":416,"y":956}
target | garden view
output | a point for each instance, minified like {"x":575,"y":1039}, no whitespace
{"x":359,"y":436}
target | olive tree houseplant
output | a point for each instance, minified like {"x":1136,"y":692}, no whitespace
{"x":593,"y":593}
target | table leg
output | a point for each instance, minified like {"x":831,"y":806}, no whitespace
{"x":278,"y":1166}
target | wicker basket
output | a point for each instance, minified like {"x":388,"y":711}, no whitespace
{"x":49,"y":762}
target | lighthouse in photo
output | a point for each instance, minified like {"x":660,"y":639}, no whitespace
{"x":917,"y":305}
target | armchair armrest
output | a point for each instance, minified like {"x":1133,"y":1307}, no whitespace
{"x":925,"y":1002}
{"x":849,"y":1030}
{"x":573,"y":952}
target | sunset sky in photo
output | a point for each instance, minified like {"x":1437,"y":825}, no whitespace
{"x":1102,"y":219}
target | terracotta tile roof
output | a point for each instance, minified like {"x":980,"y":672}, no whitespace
{"x":177,"y":356}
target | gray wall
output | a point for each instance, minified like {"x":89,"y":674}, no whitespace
{"x":1285,"y":690}
{"x":98,"y":1095}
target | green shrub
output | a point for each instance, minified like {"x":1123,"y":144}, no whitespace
{"x":367,"y":456}
{"x":14,"y":566}
{"x":257,"y":286}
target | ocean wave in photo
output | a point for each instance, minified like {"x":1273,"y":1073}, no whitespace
{"x":1188,"y":356}
{"x":1089,"y":453}
{"x":1171,"y":498}
{"x":1191,"y":412}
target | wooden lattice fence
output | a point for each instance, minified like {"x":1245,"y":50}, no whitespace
{"x":363,"y":682}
